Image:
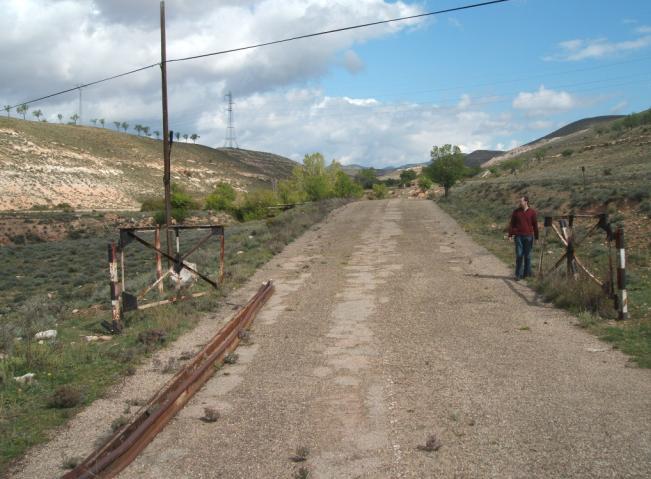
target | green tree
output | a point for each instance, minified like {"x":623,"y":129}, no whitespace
{"x":194,"y":137}
{"x":22,"y":110}
{"x":101,"y":122}
{"x":367,"y":177}
{"x":222,"y":198}
{"x":60,"y":117}
{"x":93,"y":121}
{"x":74,"y":118}
{"x":125,"y":126}
{"x":446,"y":167}
{"x":145,"y":130}
{"x":157,"y":133}
{"x":38,"y":114}
{"x":117,"y":125}
{"x":7,"y":108}
{"x":138,"y":128}
{"x":407,"y":176}
{"x":177,"y":135}
{"x":345,"y":187}
{"x":255,"y":205}
{"x":185,"y":137}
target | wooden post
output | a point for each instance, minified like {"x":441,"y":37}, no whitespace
{"x":221,"y":258}
{"x":166,"y":139}
{"x":159,"y":260}
{"x":116,"y":313}
{"x":622,"y":298}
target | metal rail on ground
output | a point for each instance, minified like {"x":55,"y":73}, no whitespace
{"x":125,"y":445}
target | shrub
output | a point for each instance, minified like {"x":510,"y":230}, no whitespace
{"x":567,"y":153}
{"x":65,"y":397}
{"x":607,"y":171}
{"x":424,"y":183}
{"x":255,"y":205}
{"x":222,"y":198}
{"x":345,"y":187}
{"x":380,"y":191}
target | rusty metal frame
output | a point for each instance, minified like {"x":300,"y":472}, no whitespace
{"x":125,"y":445}
{"x":565,"y":233}
{"x":123,"y":301}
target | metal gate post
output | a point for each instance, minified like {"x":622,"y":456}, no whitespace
{"x":622,"y":298}
{"x":116,"y":315}
{"x":159,"y":260}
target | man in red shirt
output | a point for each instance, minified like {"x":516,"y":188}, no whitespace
{"x":523,"y":229}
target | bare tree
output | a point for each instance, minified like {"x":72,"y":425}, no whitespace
{"x":74,"y":118}
{"x":185,"y":137}
{"x":194,"y":137}
{"x":177,"y":135}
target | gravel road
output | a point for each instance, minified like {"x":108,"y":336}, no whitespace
{"x":389,"y":325}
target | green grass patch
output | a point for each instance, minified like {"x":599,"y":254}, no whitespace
{"x":74,"y":272}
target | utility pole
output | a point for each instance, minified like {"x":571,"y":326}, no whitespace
{"x":166,"y":134}
{"x":79,"y":86}
{"x":230,"y":129}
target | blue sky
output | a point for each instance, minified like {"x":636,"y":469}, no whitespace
{"x":509,"y":48}
{"x":494,"y":77}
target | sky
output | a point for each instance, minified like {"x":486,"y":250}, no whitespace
{"x":492,"y":77}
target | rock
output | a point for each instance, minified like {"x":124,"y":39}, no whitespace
{"x":185,"y":277}
{"x":92,"y":339}
{"x":240,"y":252}
{"x":49,"y":334}
{"x":75,"y":311}
{"x":25,"y":378}
{"x":433,"y":443}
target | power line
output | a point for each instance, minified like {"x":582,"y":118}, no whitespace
{"x":338,"y":30}
{"x":275,"y":42}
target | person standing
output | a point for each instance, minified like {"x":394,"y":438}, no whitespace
{"x":523,"y":229}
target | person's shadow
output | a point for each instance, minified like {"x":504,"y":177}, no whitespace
{"x":510,"y":282}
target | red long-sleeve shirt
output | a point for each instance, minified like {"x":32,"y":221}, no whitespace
{"x":524,"y":223}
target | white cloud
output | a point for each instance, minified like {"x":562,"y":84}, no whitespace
{"x":643,"y":29}
{"x":464,"y":102}
{"x":582,"y":49}
{"x":544,"y":101}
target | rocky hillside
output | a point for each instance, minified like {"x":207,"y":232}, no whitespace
{"x":44,"y":164}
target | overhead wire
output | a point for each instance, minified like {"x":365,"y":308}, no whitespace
{"x":259,"y":45}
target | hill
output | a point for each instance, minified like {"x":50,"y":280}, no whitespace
{"x":569,"y":130}
{"x":477,"y":157}
{"x":44,"y":164}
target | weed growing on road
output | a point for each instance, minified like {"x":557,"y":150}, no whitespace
{"x":210,"y":414}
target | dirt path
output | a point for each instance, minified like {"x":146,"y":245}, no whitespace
{"x":389,"y":324}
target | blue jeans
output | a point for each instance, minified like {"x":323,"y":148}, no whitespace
{"x":523,"y":246}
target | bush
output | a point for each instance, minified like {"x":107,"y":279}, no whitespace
{"x":255,"y":205}
{"x":222,"y":198}
{"x":65,"y":397}
{"x":424,"y":183}
{"x":607,"y":171}
{"x":567,"y":153}
{"x":380,"y":191}
{"x":345,"y":187}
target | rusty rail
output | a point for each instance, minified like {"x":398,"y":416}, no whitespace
{"x":125,"y":445}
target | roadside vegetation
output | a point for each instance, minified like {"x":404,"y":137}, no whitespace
{"x":63,"y":285}
{"x":609,"y":171}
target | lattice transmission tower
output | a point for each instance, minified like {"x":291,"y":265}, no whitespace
{"x":231,"y":140}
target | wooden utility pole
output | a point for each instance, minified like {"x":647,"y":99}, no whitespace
{"x":166,"y":138}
